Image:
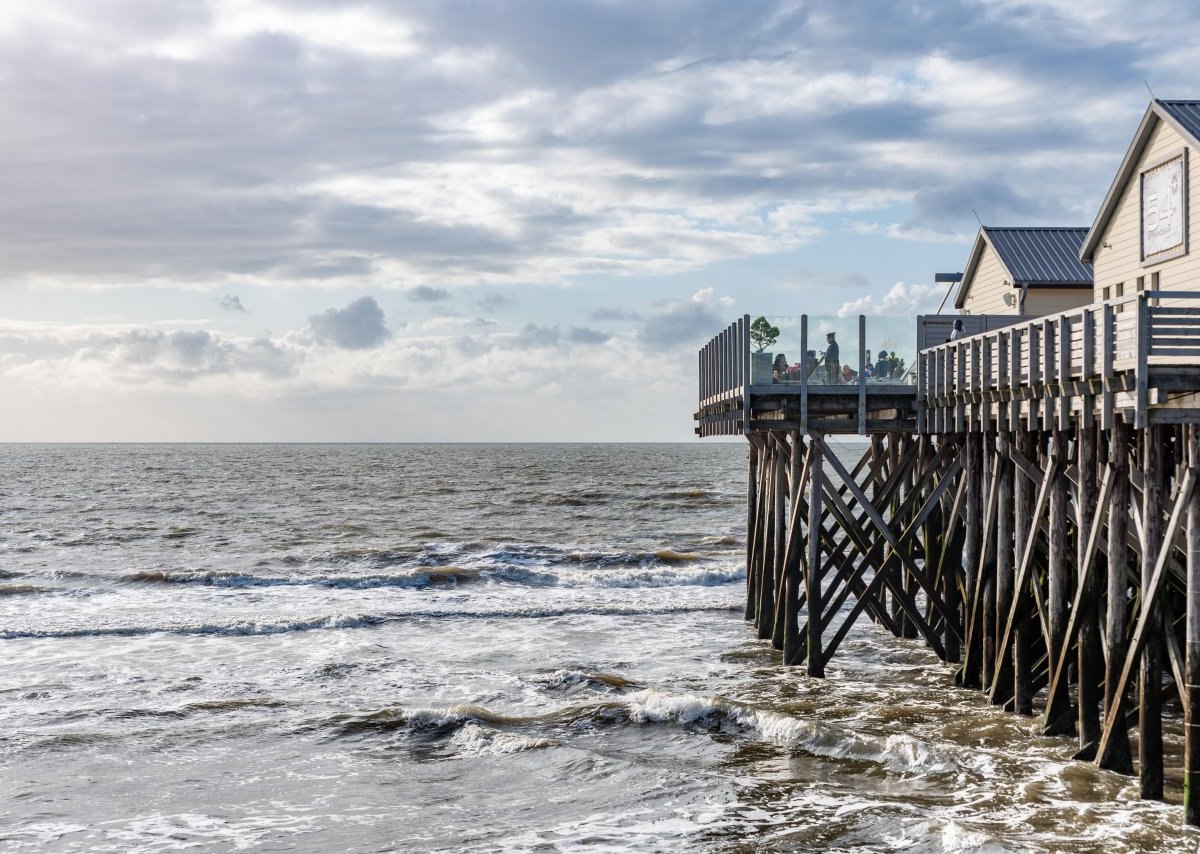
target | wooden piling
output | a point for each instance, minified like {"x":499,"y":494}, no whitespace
{"x":1118,"y":756}
{"x":1150,"y":744}
{"x":1191,"y":686}
{"x":816,"y":484}
{"x":1059,"y":719}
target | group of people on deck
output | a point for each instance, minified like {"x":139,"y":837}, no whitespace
{"x":828,"y":369}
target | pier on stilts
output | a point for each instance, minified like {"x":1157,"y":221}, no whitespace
{"x":1025,"y":504}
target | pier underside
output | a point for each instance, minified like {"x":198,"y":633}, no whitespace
{"x":1054,"y":569}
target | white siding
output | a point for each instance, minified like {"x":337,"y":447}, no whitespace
{"x":987,"y":287}
{"x":1121,"y":261}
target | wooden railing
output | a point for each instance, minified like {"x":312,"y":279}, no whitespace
{"x":725,"y":363}
{"x":1097,"y":347}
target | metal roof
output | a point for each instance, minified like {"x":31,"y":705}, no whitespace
{"x":1041,"y":256}
{"x":1186,"y":113}
{"x":1184,"y":116}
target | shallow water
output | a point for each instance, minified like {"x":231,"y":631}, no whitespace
{"x":470,"y":648}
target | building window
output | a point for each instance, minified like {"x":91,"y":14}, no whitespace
{"x":1120,"y":289}
{"x":1107,"y":293}
{"x":1141,"y":284}
{"x":1154,"y":281}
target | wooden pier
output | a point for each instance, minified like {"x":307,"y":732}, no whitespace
{"x":1027,"y":507}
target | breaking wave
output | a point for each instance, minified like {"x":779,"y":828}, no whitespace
{"x":357,"y":621}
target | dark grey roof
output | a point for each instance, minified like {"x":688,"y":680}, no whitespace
{"x":1186,"y":113}
{"x":1041,"y":256}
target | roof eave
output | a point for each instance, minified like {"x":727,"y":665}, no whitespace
{"x":981,"y":242}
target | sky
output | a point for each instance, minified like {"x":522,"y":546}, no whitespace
{"x":457,"y":220}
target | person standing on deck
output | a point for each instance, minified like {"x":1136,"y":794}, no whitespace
{"x":833,"y":367}
{"x":958,"y":330}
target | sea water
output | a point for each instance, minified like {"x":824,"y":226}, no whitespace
{"x":359,"y":648}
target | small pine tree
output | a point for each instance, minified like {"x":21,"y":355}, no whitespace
{"x":763,"y":334}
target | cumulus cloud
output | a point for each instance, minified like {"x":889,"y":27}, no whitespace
{"x":359,"y":326}
{"x":902,"y":300}
{"x":231,"y":302}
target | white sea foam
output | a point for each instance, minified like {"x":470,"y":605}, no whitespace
{"x":475,"y":739}
{"x":899,"y":753}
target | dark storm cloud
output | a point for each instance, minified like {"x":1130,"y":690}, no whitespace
{"x":358,"y":326}
{"x":425,"y":293}
{"x":181,"y":142}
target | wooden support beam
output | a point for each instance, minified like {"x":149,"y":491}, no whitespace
{"x":1079,"y":609}
{"x":1191,"y":671}
{"x":1150,"y":744}
{"x":899,"y":547}
{"x":1118,"y":755}
{"x":1059,"y":719}
{"x":1145,"y":628}
{"x":752,"y":510}
{"x":1024,"y":570}
{"x":1090,"y":512}
{"x":816,"y":479}
{"x":971,"y":560}
{"x":1005,"y":511}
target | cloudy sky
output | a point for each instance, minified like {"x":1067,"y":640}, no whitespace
{"x":463,"y":220}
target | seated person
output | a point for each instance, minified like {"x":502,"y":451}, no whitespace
{"x":883,"y":368}
{"x":779,"y":367}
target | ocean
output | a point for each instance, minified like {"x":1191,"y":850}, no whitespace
{"x":368,"y":648}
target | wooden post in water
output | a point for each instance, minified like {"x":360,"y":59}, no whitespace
{"x":1005,"y":510}
{"x":782,"y":493}
{"x":1023,"y":530}
{"x":971,"y":555}
{"x":1191,"y":688}
{"x":1119,"y":756}
{"x":751,"y":526}
{"x":1150,"y":744}
{"x":793,"y":578}
{"x":766,"y":585}
{"x":1058,"y":720}
{"x":812,"y":577}
{"x":1090,"y":656}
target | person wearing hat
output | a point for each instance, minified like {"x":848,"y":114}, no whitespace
{"x":833,"y":367}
